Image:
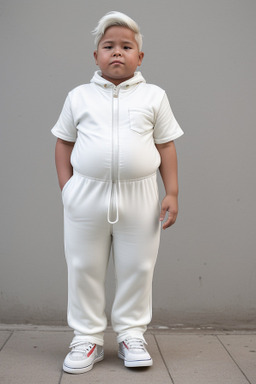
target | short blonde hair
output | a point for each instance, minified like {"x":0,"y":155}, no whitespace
{"x":120,"y":19}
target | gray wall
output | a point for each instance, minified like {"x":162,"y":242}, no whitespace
{"x":203,"y":53}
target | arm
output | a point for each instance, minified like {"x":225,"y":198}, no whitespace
{"x":64,"y":168}
{"x":169,"y":174}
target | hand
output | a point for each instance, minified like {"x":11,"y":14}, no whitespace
{"x":169,"y":205}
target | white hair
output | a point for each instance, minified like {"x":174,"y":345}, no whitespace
{"x":120,"y":19}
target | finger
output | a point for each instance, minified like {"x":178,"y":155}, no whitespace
{"x":162,"y":213}
{"x":170,"y":221}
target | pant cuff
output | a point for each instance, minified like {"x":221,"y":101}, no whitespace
{"x":95,"y":339}
{"x":130,"y":334}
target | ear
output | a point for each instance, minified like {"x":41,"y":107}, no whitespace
{"x":95,"y":54}
{"x":141,"y":55}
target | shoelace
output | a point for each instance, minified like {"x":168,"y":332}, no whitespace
{"x":81,"y":346}
{"x":135,"y":344}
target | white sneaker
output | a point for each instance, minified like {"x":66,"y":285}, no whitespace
{"x":82,"y":357}
{"x":134,"y":353}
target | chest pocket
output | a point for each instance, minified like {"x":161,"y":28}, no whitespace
{"x":141,"y":120}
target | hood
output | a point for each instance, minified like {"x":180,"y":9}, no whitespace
{"x":136,"y":79}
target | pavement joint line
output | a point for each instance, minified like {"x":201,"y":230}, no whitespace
{"x":240,"y":369}
{"x":154,"y":330}
{"x":160,"y":352}
{"x":6,"y":341}
{"x":61,"y":375}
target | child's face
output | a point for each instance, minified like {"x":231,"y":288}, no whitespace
{"x":118,"y":55}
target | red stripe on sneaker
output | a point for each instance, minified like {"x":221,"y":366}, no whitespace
{"x":91,"y":351}
{"x":125,"y":345}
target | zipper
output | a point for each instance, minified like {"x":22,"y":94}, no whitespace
{"x":115,"y":135}
{"x":113,"y":214}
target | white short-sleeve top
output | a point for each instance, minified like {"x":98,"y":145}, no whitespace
{"x":115,"y":128}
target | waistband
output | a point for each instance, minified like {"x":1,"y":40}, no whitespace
{"x":110,"y":180}
{"x":113,"y":205}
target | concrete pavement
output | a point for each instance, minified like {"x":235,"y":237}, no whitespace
{"x":34,"y":355}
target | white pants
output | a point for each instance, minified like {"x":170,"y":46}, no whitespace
{"x":88,"y":238}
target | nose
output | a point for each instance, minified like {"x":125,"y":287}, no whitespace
{"x":116,"y":52}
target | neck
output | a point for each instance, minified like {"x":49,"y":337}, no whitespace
{"x":117,"y":81}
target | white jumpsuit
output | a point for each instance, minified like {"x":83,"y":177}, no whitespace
{"x":112,"y":200}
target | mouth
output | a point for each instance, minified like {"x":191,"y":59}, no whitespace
{"x":116,"y":62}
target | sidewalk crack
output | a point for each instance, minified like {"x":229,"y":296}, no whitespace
{"x":61,"y":374}
{"x":6,"y":341}
{"x":223,"y":345}
{"x":163,"y":360}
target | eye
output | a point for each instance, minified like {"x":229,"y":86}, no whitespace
{"x":108,"y":47}
{"x":126,"y":47}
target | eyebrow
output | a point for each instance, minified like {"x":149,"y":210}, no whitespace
{"x":111,"y":42}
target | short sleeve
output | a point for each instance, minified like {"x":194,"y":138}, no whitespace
{"x":166,"y":126}
{"x":65,"y":128}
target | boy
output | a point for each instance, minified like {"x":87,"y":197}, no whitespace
{"x":113,"y":134}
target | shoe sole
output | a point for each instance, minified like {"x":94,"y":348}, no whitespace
{"x":135,"y":363}
{"x":83,"y":369}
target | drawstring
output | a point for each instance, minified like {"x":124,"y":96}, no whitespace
{"x":113,"y":211}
